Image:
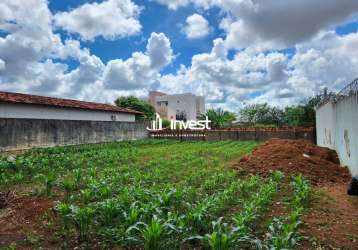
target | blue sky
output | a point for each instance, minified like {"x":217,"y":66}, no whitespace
{"x":156,"y":18}
{"x":230,"y":51}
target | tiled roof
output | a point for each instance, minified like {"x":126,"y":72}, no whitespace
{"x":58,"y":102}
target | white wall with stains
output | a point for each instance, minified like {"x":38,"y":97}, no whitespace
{"x":26,"y":111}
{"x":337,"y":128}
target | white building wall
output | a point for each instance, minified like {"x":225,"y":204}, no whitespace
{"x":200,"y":105}
{"x":26,"y":111}
{"x":341,"y":119}
{"x":183,"y":102}
{"x":325,"y":124}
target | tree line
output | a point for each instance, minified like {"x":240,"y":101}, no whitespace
{"x":254,"y":115}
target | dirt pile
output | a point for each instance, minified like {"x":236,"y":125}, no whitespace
{"x":293,"y":157}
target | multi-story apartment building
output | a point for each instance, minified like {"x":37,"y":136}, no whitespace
{"x":178,"y":107}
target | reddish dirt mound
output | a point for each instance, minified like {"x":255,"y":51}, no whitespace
{"x":292,"y":157}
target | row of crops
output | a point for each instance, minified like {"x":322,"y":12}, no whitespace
{"x":158,"y":195}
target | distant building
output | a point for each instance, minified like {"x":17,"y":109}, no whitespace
{"x":23,"y":106}
{"x":178,"y":107}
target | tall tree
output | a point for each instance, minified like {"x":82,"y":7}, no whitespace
{"x":302,"y":115}
{"x":137,"y":104}
{"x":261,"y":114}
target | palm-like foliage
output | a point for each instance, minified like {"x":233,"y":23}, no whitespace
{"x":219,"y":118}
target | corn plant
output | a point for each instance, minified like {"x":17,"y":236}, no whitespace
{"x":78,"y":177}
{"x":302,"y":191}
{"x":283,"y":232}
{"x":64,"y":209}
{"x":256,"y":203}
{"x":221,"y":237}
{"x":152,"y":233}
{"x":224,"y":236}
{"x":133,"y":215}
{"x":87,"y":195}
{"x":108,"y":210}
{"x":113,"y":190}
{"x":83,"y":218}
{"x":105,"y":191}
{"x":49,"y":183}
{"x":69,"y":185}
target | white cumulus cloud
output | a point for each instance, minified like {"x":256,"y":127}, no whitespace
{"x":33,"y":57}
{"x":110,"y":19}
{"x":142,"y":69}
{"x":196,"y":27}
{"x":175,"y":4}
{"x":281,"y":23}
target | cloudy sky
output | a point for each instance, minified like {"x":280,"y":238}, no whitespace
{"x":230,"y":51}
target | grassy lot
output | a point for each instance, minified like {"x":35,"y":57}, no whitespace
{"x":153,"y":195}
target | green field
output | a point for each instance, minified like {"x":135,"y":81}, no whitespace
{"x":154,"y":195}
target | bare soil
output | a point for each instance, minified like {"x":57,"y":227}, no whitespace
{"x":25,"y":218}
{"x":331,"y":221}
{"x":319,"y":165}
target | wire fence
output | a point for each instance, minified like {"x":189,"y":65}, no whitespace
{"x":350,"y":89}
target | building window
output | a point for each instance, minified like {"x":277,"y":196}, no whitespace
{"x":163,"y":103}
{"x":113,"y":117}
{"x":180,"y":116}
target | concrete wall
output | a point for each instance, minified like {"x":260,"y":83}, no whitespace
{"x":337,"y":128}
{"x":19,"y":134}
{"x":325,"y":124}
{"x":26,"y":111}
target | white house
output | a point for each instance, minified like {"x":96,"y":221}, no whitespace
{"x":180,"y":106}
{"x":23,"y":106}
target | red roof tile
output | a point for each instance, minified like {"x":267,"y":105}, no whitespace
{"x":63,"y":103}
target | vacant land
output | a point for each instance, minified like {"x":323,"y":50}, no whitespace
{"x":148,"y":195}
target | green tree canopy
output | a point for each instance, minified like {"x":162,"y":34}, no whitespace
{"x":137,"y":104}
{"x":219,"y":118}
{"x":302,"y":115}
{"x":261,"y":114}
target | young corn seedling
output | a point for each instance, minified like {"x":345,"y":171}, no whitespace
{"x":283,"y":233}
{"x":78,"y":177}
{"x":224,"y":236}
{"x":105,"y":192}
{"x":255,"y":204}
{"x":108,"y":209}
{"x":83,"y":218}
{"x":87,"y":195}
{"x":152,"y":234}
{"x":133,"y":215}
{"x":302,"y":191}
{"x":221,"y":238}
{"x":50,"y":180}
{"x":69,"y":185}
{"x":167,"y":197}
{"x":64,"y":209}
{"x":199,"y":216}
